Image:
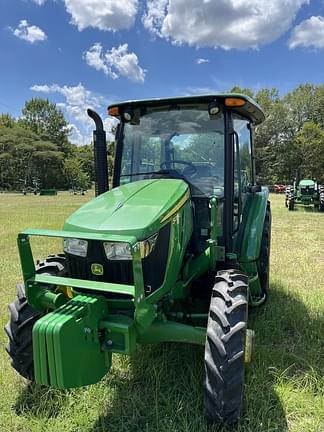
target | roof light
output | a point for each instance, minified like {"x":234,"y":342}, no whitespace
{"x":128,"y":114}
{"x":234,"y":102}
{"x":213,"y":109}
{"x":113,"y":111}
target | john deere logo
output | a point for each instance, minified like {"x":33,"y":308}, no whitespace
{"x":97,"y":269}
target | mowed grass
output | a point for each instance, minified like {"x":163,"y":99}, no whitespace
{"x":159,"y":388}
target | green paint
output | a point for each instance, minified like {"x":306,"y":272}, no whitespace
{"x":249,"y":239}
{"x":67,"y":346}
{"x":173,"y":332}
{"x":134,"y":209}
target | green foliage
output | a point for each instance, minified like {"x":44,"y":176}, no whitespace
{"x":6,"y":120}
{"x":76,"y":177}
{"x":47,"y":121}
{"x":85,"y":155}
{"x":309,"y":143}
{"x":25,"y":157}
{"x":110,"y":156}
{"x":245,"y":91}
{"x":292,"y":135}
{"x":33,"y":148}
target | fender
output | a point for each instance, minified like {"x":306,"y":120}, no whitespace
{"x":249,"y":239}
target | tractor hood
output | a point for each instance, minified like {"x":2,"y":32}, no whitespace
{"x":136,"y":209}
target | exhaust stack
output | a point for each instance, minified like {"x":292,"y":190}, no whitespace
{"x":100,"y":154}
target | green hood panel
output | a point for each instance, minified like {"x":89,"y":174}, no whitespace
{"x":132,"y":209}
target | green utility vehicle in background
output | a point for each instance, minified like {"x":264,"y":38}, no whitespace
{"x":306,"y":192}
{"x":174,"y":252}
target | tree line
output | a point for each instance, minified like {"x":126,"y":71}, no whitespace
{"x":35,"y":150}
{"x":291,"y":138}
{"x":36,"y":147}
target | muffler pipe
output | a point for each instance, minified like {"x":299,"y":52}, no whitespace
{"x":100,"y":154}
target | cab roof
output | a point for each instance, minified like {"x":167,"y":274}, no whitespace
{"x":306,"y":182}
{"x":250,"y":109}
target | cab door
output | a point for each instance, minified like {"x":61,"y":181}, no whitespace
{"x":243,"y":168}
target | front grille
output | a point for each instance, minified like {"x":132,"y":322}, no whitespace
{"x":121,"y":272}
{"x":306,"y":191}
{"x":154,"y":265}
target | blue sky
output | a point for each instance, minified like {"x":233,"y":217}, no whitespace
{"x":89,"y":53}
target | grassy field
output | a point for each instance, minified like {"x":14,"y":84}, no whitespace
{"x":159,"y":388}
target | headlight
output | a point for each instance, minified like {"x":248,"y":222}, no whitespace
{"x":118,"y":251}
{"x":147,"y":246}
{"x":122,"y":250}
{"x":76,"y":246}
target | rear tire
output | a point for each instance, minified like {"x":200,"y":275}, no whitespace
{"x":321,"y":193}
{"x":264,"y":258}
{"x":225,"y":346}
{"x":23,"y":317}
{"x":288,"y":193}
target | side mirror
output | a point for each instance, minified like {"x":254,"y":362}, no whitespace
{"x":255,"y":188}
{"x":258,"y":180}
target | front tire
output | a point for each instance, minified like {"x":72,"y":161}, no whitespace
{"x":225,"y":347}
{"x":23,"y":317}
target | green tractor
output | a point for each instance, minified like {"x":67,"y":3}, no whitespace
{"x":305,"y":192}
{"x":176,"y":251}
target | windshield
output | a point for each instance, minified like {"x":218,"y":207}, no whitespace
{"x":181,"y":143}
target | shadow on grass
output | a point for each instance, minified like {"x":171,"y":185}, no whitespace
{"x":310,"y":209}
{"x":41,"y":401}
{"x":159,"y":388}
{"x":307,"y":208}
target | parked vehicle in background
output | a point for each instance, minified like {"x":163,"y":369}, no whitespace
{"x":279,"y":188}
{"x":305,"y":192}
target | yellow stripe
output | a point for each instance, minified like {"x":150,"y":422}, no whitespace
{"x":183,"y":200}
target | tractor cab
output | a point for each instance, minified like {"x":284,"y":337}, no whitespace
{"x":307,"y":187}
{"x":190,"y":139}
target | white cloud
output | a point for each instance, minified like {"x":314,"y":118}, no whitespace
{"x":41,"y":88}
{"x":155,"y":15}
{"x":109,"y":15}
{"x":76,"y":101}
{"x":309,"y":33}
{"x":95,"y":58}
{"x":227,"y":24}
{"x":201,"y":60}
{"x":109,"y":125}
{"x":115,"y":62}
{"x":30,"y":33}
{"x":76,"y":135}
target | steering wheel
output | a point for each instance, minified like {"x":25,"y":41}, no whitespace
{"x":164,"y":165}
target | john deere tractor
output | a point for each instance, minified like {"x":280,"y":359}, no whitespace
{"x":305,"y":192}
{"x":176,"y":251}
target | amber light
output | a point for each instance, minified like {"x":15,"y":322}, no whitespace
{"x":234,"y":102}
{"x":113,"y":111}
